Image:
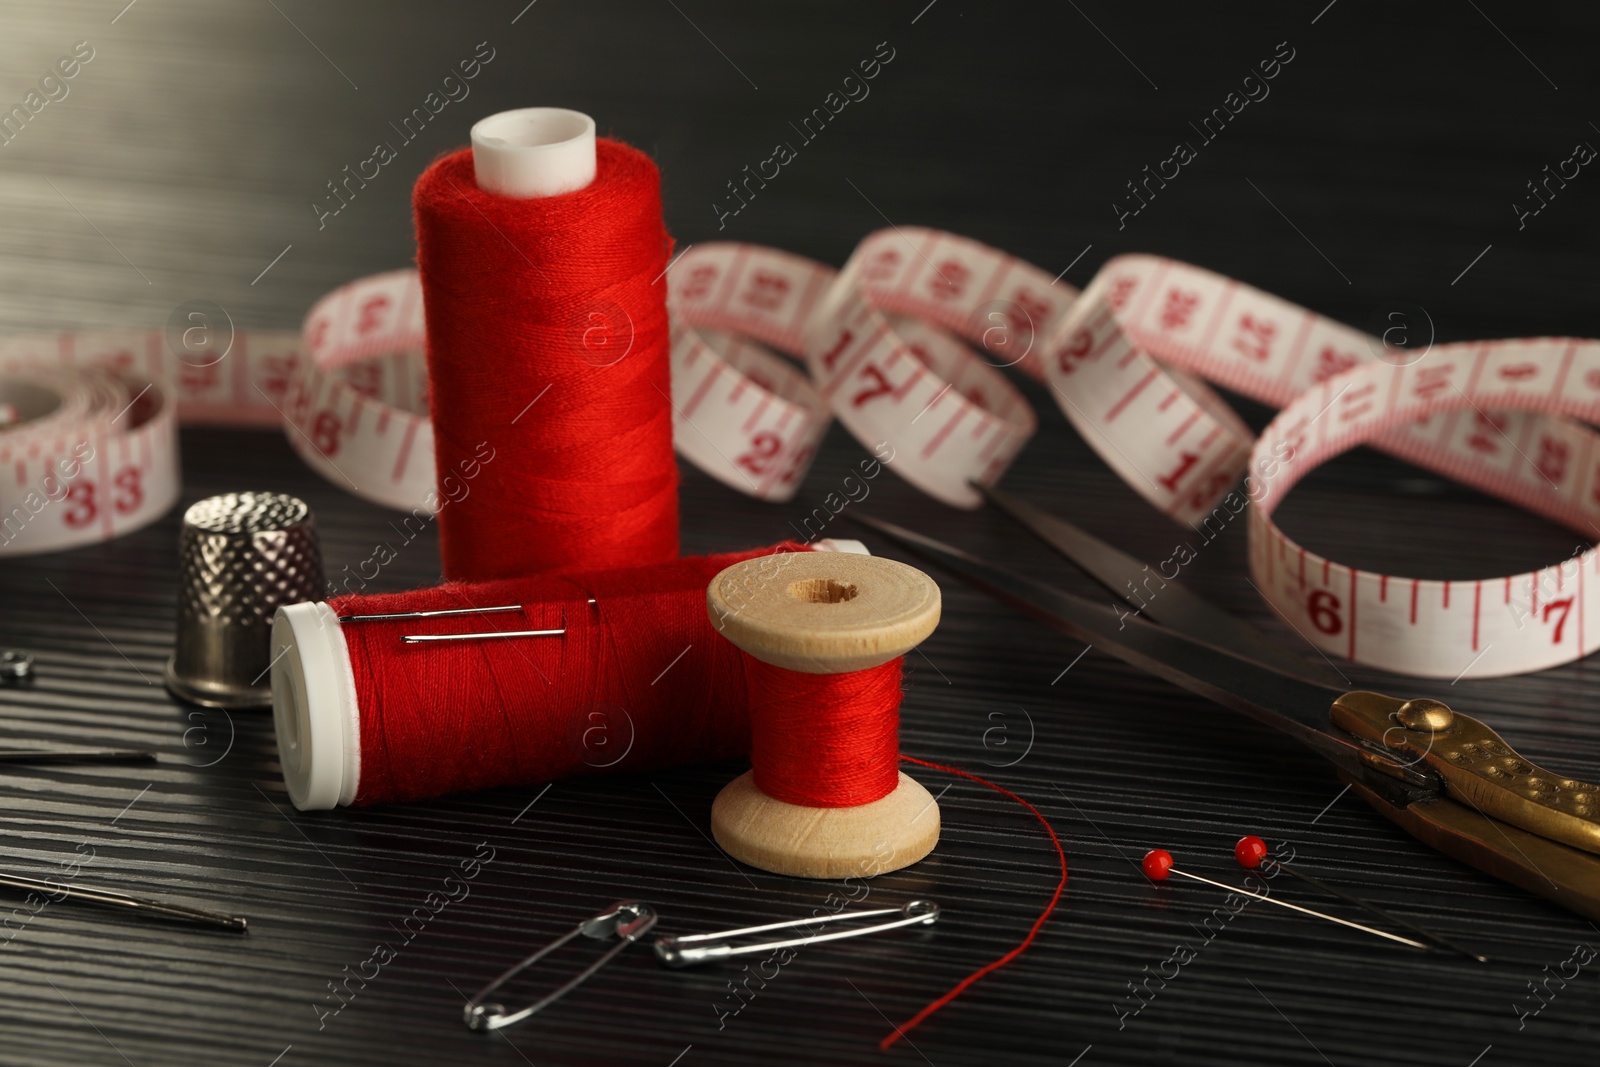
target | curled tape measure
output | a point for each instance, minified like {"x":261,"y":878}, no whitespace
{"x":1485,"y":414}
{"x":1451,"y":405}
{"x":358,"y":409}
{"x":88,"y":425}
{"x":740,"y":413}
{"x":892,"y":377}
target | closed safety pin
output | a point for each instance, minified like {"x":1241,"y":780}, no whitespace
{"x":627,"y":922}
{"x":704,"y":948}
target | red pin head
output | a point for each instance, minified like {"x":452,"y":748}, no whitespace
{"x":1250,"y":851}
{"x":1157,"y":862}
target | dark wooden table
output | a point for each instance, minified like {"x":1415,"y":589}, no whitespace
{"x":191,"y":149}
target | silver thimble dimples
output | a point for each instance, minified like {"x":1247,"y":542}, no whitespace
{"x":241,"y":557}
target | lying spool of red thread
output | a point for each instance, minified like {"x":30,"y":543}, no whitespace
{"x":541,"y":252}
{"x":825,"y":797}
{"x":614,"y":670}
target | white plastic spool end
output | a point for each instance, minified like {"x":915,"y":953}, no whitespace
{"x":533,"y":152}
{"x":314,"y":707}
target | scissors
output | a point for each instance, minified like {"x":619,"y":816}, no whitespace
{"x":1445,"y":777}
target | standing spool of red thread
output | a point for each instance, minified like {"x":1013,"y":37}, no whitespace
{"x":541,"y":251}
{"x":824,"y":634}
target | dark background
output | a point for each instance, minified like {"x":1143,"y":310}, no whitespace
{"x":1396,"y":140}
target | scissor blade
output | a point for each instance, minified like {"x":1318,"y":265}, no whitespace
{"x":1165,"y":601}
{"x":1294,"y":705}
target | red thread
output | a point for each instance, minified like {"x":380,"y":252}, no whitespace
{"x":640,"y":680}
{"x":548,"y":345}
{"x":1049,"y":909}
{"x":824,"y":740}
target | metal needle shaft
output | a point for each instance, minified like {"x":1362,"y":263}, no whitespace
{"x":414,"y":639}
{"x":1306,"y":911}
{"x":1436,"y":939}
{"x":154,"y":908}
{"x":76,"y":755}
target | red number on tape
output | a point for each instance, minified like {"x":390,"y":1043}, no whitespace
{"x":949,"y":279}
{"x":129,"y":482}
{"x":1486,"y":437}
{"x":1255,"y":338}
{"x":1075,"y":351}
{"x":700,"y":281}
{"x":883,"y":264}
{"x":1169,"y":482}
{"x":1331,"y":361}
{"x":764,"y":447}
{"x":1323,"y":607}
{"x":831,"y":357}
{"x":1552,"y":461}
{"x":325,"y":433}
{"x":766,"y":290}
{"x":1178,"y":308}
{"x":372,"y":314}
{"x":880,"y":388}
{"x":1564,"y":605}
{"x":81,"y":505}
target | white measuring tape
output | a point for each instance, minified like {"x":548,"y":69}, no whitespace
{"x":88,"y":426}
{"x":88,"y":420}
{"x":357,"y":412}
{"x":740,"y":413}
{"x":1490,"y":416}
{"x":1463,"y":393}
{"x":894,"y":378}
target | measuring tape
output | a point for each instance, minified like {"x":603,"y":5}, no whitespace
{"x":894,"y":377}
{"x":357,"y":411}
{"x":1454,"y":406}
{"x":1120,"y":362}
{"x":88,"y":425}
{"x":740,"y":413}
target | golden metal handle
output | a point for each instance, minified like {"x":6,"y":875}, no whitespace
{"x":1565,"y":875}
{"x":1477,"y":766}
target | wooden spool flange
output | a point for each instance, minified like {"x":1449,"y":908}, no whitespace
{"x":824,"y":613}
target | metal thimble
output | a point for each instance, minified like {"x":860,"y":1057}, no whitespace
{"x":242,"y":556}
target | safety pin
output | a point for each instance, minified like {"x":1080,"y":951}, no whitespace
{"x":689,"y":950}
{"x":627,"y":922}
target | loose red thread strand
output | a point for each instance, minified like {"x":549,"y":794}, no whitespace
{"x":548,"y":345}
{"x":640,"y":680}
{"x":824,"y":740}
{"x":1044,"y":916}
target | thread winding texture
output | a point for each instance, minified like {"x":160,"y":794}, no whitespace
{"x":547,"y":337}
{"x":824,"y":740}
{"x":640,"y":680}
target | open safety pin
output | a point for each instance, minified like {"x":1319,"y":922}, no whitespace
{"x":691,"y":949}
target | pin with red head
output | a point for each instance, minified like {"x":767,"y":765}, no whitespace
{"x":1158,"y":867}
{"x":1253,"y":854}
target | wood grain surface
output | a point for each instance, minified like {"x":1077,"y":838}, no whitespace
{"x":188,"y":156}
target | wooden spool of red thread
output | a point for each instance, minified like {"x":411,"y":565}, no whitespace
{"x":823,"y":616}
